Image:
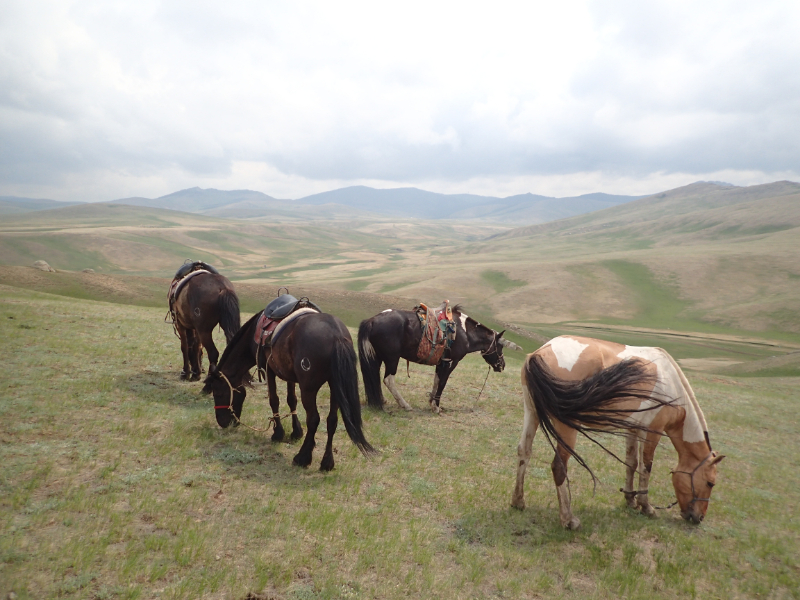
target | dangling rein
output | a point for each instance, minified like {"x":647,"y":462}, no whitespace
{"x":270,"y":423}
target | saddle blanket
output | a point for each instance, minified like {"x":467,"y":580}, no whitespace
{"x":268,"y":330}
{"x":438,"y":332}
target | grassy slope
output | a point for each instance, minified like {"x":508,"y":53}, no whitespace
{"x":117,"y":483}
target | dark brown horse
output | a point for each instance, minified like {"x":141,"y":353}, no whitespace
{"x":203,"y":301}
{"x":312,"y":349}
{"x":394,"y":334}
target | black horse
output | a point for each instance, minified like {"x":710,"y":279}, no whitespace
{"x":203,"y":300}
{"x":312,"y":349}
{"x":394,"y":334}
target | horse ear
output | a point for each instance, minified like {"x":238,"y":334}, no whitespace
{"x":717,"y":459}
{"x":501,"y":333}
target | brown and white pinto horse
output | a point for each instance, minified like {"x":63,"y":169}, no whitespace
{"x":581,"y":385}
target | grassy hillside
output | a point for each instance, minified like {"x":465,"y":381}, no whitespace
{"x":117,"y":483}
{"x":706,"y":258}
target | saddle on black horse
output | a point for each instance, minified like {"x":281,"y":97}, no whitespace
{"x":283,"y":309}
{"x":438,"y":332}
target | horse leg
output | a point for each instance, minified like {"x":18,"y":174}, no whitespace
{"x":647,"y":450}
{"x":530,"y":424}
{"x":327,"y":459}
{"x":631,"y":464}
{"x":183,"y":335}
{"x":559,"y":468}
{"x":309,"y":399}
{"x":207,"y":341}
{"x":440,"y":377}
{"x":291,"y":400}
{"x":194,"y":354}
{"x":275,"y":405}
{"x":388,"y":379}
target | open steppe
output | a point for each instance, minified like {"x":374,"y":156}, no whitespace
{"x":117,"y":482}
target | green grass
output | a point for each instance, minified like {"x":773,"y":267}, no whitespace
{"x":500,"y":281}
{"x":117,"y":483}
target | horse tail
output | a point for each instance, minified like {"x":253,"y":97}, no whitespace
{"x":587,"y":405}
{"x":344,"y":388}
{"x":228,"y":305}
{"x":370,"y":366}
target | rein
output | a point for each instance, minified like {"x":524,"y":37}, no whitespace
{"x":272,"y":420}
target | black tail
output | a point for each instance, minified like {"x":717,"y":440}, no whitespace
{"x":370,"y":366}
{"x":344,"y":387}
{"x":586,"y":405}
{"x":228,"y":304}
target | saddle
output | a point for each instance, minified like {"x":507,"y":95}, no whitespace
{"x":189,"y":266}
{"x":281,"y":311}
{"x":438,"y":332}
{"x":188,"y":270}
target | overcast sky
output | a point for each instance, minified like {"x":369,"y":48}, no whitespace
{"x":103,"y":100}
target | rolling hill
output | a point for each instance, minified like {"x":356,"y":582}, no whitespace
{"x":707,"y":257}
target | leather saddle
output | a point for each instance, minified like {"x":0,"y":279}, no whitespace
{"x":285,"y":304}
{"x":190,"y":266}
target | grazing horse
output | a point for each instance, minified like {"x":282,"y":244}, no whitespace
{"x":202,"y":301}
{"x":312,"y":349}
{"x":394,"y":334}
{"x":577,"y":385}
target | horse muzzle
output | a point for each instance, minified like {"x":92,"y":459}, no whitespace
{"x":692,"y":516}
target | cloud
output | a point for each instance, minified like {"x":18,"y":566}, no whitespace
{"x":100,"y":100}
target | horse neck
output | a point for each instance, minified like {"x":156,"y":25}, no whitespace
{"x":689,"y":437}
{"x":239,"y":356}
{"x":479,"y":336}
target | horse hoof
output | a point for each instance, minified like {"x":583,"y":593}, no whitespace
{"x":326,"y":465}
{"x":301,"y":461}
{"x":573,"y":524}
{"x":195,"y":377}
{"x":278,"y":435}
{"x":297,"y":434}
{"x":518,"y":504}
{"x":184,"y":376}
{"x":649,"y":511}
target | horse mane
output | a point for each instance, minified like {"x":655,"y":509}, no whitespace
{"x":243,"y":330}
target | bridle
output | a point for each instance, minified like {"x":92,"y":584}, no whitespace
{"x":493,"y":349}
{"x":691,"y":480}
{"x":635,"y":493}
{"x":230,"y":386}
{"x":273,"y":420}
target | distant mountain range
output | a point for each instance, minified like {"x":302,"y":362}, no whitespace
{"x":360,"y":202}
{"x":14,"y":205}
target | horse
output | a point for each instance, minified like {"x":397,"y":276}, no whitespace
{"x":581,"y":385}
{"x":394,"y":334}
{"x":202,"y":301}
{"x":312,"y":349}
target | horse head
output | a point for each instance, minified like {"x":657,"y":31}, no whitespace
{"x":228,"y":400}
{"x":693,"y":488}
{"x":493,"y":355}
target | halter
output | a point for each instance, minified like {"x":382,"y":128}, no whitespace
{"x":230,"y":404}
{"x":272,"y":420}
{"x":691,"y":480}
{"x":492,"y":349}
{"x":634,"y":493}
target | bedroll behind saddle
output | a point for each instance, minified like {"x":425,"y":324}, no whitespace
{"x":438,"y":332}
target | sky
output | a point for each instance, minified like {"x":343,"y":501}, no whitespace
{"x":102,"y":100}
